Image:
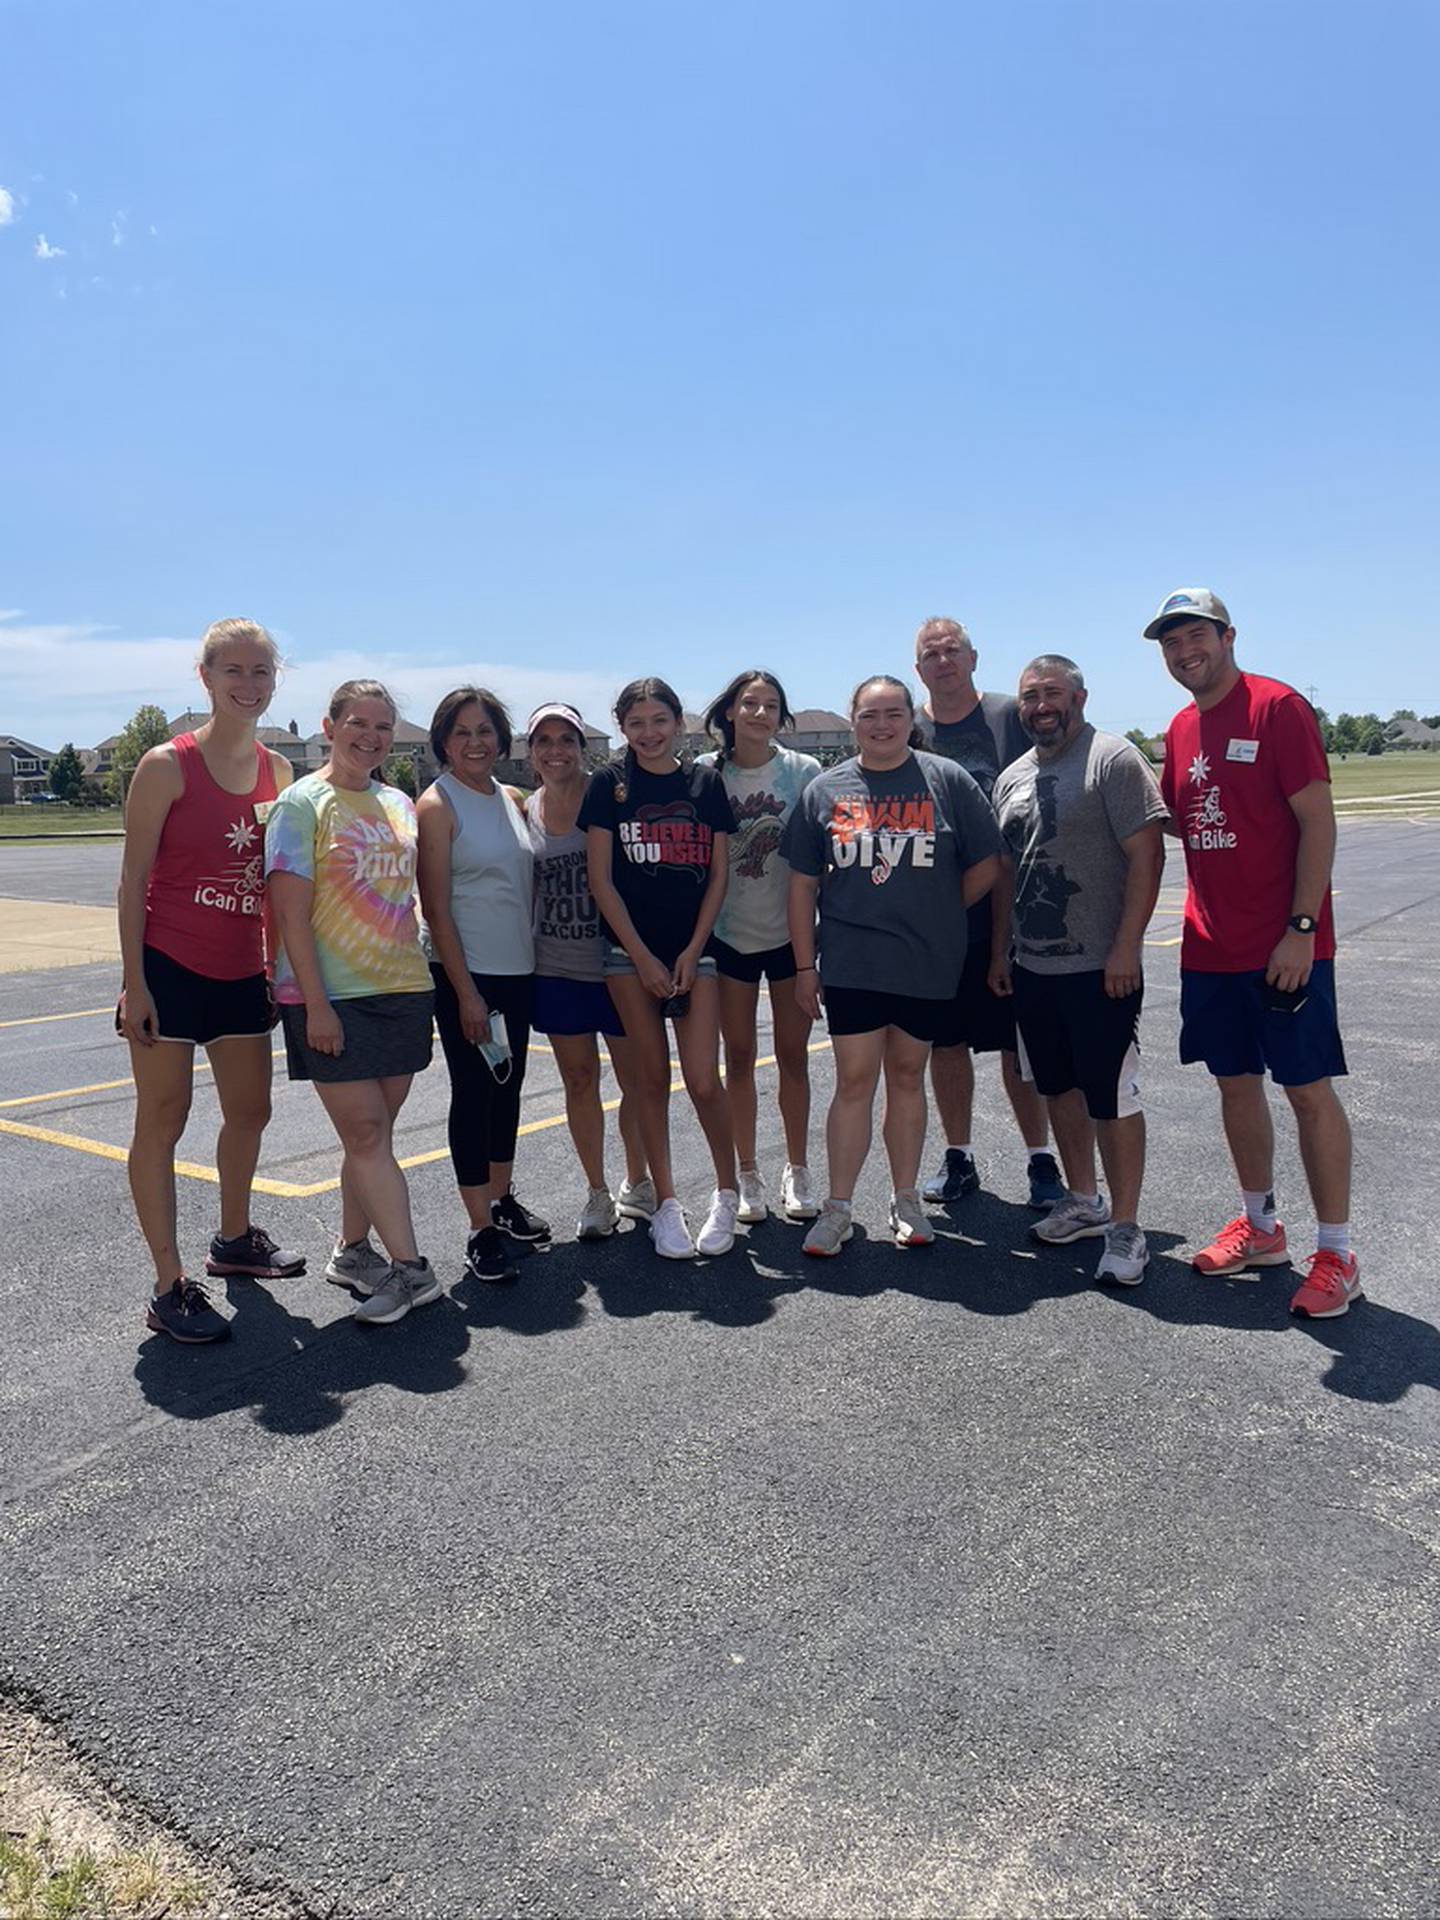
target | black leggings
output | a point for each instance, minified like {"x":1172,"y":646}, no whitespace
{"x":484,"y":1115}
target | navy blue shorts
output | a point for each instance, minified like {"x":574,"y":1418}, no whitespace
{"x":1224,"y":1022}
{"x":575,"y":1006}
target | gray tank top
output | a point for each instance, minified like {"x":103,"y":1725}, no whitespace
{"x":569,"y":944}
{"x":490,"y":880}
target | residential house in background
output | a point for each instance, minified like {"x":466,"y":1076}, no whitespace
{"x":24,"y":769}
{"x":1409,"y":735}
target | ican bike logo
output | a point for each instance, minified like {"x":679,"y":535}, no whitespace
{"x":1206,"y":817}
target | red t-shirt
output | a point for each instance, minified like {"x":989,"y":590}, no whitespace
{"x":1228,"y":779}
{"x":205,"y":905}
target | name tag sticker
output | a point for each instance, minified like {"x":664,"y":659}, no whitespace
{"x":1246,"y":750}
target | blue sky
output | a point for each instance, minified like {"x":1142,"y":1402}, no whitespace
{"x":562,"y":343}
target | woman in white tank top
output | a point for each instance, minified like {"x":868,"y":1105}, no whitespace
{"x":476,"y":871}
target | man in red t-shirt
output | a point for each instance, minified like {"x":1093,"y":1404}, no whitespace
{"x":1248,"y":787}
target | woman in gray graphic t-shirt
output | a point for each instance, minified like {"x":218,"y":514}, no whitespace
{"x":892,"y":847}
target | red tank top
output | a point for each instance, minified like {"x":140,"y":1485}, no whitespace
{"x":205,"y":904}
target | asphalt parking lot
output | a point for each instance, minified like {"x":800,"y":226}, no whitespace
{"x":936,"y":1582}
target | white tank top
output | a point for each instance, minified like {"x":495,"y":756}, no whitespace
{"x":491,"y":880}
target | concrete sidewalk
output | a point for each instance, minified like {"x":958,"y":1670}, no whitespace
{"x":42,"y":934}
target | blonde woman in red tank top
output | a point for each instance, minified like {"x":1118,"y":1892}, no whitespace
{"x":192,"y":944}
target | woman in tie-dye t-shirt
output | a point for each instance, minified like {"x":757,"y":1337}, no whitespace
{"x":353,"y":985}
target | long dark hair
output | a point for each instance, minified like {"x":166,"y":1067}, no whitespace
{"x":887,"y":680}
{"x":651,"y":688}
{"x":720,"y":727}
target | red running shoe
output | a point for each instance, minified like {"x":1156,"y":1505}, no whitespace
{"x":1239,"y":1245}
{"x":1331,"y":1282}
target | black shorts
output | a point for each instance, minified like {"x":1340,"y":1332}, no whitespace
{"x":860,"y":1010}
{"x":197,"y":1010}
{"x":1073,"y":1035}
{"x":1225,"y":1022}
{"x":771,"y":963}
{"x":976,"y":1017}
{"x":386,"y":1035}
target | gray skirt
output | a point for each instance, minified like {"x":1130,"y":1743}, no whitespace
{"x":386,"y":1034}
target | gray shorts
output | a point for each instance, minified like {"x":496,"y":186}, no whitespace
{"x":386,"y":1035}
{"x":618,"y":964}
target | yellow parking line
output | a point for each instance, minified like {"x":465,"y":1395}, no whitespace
{"x":100,"y":1086}
{"x":40,"y":1019}
{"x":277,"y":1189}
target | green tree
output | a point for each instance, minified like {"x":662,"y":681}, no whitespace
{"x":147,"y":728}
{"x":1327,"y":729}
{"x":67,"y":776}
{"x":1142,"y":740}
{"x":400,"y":772}
{"x":1403,"y":713}
{"x":1373,"y":743}
{"x":1346,"y":734}
{"x":1370,"y":737}
{"x":1430,"y":719}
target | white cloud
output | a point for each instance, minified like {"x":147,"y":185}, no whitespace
{"x":7,"y":206}
{"x":81,"y":681}
{"x":118,"y":224}
{"x":44,"y":250}
{"x":72,"y":196}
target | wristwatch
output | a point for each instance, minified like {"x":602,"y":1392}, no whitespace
{"x":1302,"y":923}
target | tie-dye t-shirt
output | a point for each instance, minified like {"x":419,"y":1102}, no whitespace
{"x":358,"y":852}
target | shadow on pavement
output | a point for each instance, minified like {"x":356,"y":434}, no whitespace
{"x":295,"y":1377}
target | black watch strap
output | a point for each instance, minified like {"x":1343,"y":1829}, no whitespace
{"x":1302,"y":923}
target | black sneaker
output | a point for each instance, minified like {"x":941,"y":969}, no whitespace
{"x":185,"y":1313}
{"x":956,"y":1178}
{"x":1046,"y":1186}
{"x":487,"y":1260}
{"x":510,"y":1217}
{"x":256,"y":1254}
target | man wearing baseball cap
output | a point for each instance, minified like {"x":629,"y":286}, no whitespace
{"x":1248,"y":787}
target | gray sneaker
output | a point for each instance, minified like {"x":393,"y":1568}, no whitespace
{"x":597,"y":1220}
{"x":1072,"y":1219}
{"x":908,"y":1222}
{"x":637,"y":1202}
{"x":412,"y":1283}
{"x":832,"y":1228}
{"x":1126,"y":1254}
{"x":359,"y":1268}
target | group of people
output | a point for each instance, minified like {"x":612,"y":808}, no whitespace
{"x":976,"y":878}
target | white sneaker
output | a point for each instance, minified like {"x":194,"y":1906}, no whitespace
{"x":753,"y":1203}
{"x":718,"y":1233}
{"x":829,"y":1233}
{"x":1125,"y":1256}
{"x":637,"y":1202}
{"x":908,"y":1222}
{"x":798,"y":1199}
{"x":670,"y":1233}
{"x":598,"y":1220}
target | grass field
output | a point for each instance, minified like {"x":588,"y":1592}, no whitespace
{"x":1366,"y":776}
{"x":17,"y":821}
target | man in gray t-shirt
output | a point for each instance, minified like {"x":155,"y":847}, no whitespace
{"x":1081,"y":816}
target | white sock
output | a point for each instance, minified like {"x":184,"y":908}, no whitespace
{"x":843,"y":1205}
{"x":969,"y":1152}
{"x":1090,"y":1199}
{"x":1039,"y":1153}
{"x":1334,"y":1237}
{"x":1259,"y":1209}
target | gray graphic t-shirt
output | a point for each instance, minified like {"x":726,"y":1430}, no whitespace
{"x":1063,"y":821}
{"x":890,"y":851}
